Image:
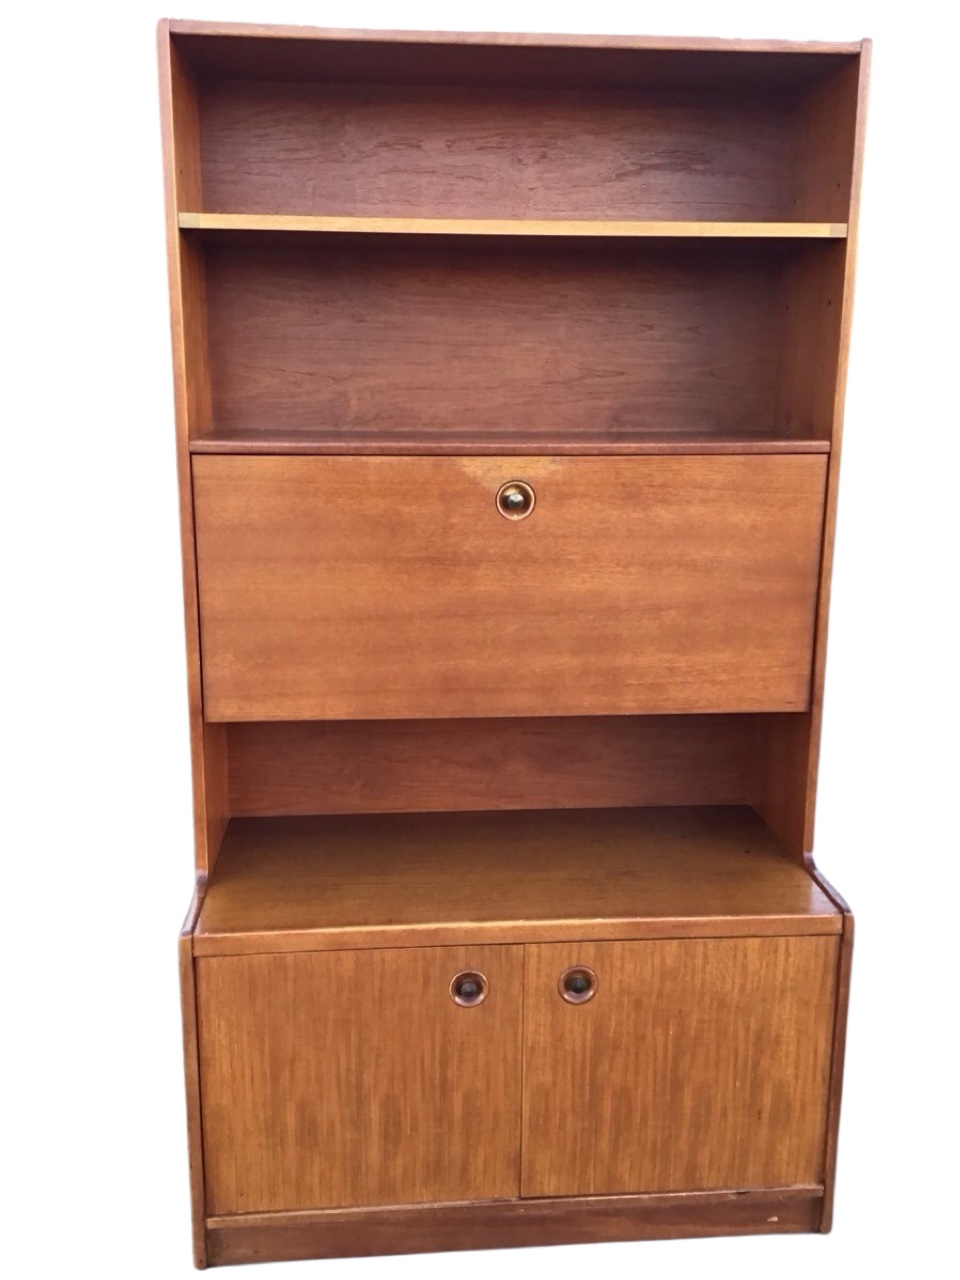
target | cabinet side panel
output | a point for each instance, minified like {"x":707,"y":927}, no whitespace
{"x":181,"y":153}
{"x":191,"y":1064}
{"x":826,"y":140}
{"x":788,"y":746}
{"x":839,"y":1051}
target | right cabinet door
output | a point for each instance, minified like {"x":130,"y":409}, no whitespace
{"x":676,"y":1065}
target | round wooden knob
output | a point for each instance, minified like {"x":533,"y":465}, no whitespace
{"x":468,"y":988}
{"x":515,"y":499}
{"x":578,"y":984}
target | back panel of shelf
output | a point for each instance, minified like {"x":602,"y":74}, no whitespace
{"x":407,"y":130}
{"x":393,"y":339}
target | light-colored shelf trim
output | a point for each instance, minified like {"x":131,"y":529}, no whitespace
{"x":512,"y":226}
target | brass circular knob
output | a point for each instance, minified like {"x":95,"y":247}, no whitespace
{"x":515,"y":499}
{"x":578,"y":984}
{"x":468,"y":988}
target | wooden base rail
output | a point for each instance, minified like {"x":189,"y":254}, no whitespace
{"x":282,"y":1237}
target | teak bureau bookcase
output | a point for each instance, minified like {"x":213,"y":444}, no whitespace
{"x":509,"y":384}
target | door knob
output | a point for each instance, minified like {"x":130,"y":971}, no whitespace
{"x":468,"y":988}
{"x":578,"y":984}
{"x":515,"y":499}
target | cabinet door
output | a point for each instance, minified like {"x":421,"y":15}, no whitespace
{"x":334,"y":1079}
{"x":698,"y":1064}
{"x":341,"y":588}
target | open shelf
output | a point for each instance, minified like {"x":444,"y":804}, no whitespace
{"x":282,"y":223}
{"x":538,"y":875}
{"x":325,"y":344}
{"x":497,"y":444}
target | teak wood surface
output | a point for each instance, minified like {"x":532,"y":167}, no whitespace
{"x":476,"y":255}
{"x":277,"y":1237}
{"x":399,"y":880}
{"x":539,"y":336}
{"x":698,"y":1064}
{"x":509,"y":226}
{"x":352,"y":1078}
{"x":390,"y":587}
{"x":309,"y":767}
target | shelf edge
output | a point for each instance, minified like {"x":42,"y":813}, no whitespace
{"x":282,"y":446}
{"x":578,"y":228}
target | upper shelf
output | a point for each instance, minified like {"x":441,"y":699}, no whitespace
{"x":512,"y":226}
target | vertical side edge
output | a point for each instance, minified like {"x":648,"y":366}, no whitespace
{"x":179,"y":118}
{"x":191,"y":1066}
{"x":833,"y":471}
{"x":839,"y":1049}
{"x":787,"y":747}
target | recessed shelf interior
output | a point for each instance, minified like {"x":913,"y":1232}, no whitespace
{"x":401,"y":342}
{"x":520,"y":137}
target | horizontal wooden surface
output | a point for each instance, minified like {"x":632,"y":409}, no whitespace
{"x":392,"y":588}
{"x":569,"y":443}
{"x":277,"y":1237}
{"x":284,"y":884}
{"x":309,"y":767}
{"x":510,"y":39}
{"x":510,"y":226}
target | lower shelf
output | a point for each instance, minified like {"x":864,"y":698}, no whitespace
{"x":295,"y":884}
{"x":282,"y":1237}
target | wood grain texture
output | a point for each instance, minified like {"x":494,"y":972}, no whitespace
{"x":819,"y":328}
{"x":287,"y":768}
{"x":352,"y":1078}
{"x":826,"y":134}
{"x":337,"y":36}
{"x":409,"y":57}
{"x":514,"y":251}
{"x":417,"y":879}
{"x":454,"y":443}
{"x":694,"y":582}
{"x":447,"y":1227}
{"x":180,"y":123}
{"x":616,"y":339}
{"x":191,"y":1067}
{"x":833,"y":472}
{"x":314,"y":224}
{"x":428,"y":151}
{"x":698,"y":1065}
{"x":838,"y":1053}
{"x":812,"y":298}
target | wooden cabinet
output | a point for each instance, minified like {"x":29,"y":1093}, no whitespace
{"x":509,"y":389}
{"x":345,"y":1078}
{"x":697,"y":1064}
{"x":694,"y":582}
{"x":339,"y":1079}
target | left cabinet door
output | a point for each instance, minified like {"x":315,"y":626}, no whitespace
{"x":338,"y":1079}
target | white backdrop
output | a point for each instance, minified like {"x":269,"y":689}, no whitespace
{"x":97,"y":868}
